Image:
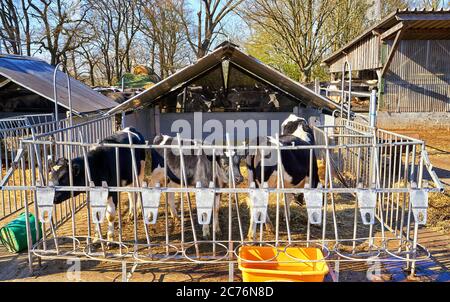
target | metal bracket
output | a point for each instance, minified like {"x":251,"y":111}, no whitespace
{"x":98,"y":198}
{"x":45,"y":196}
{"x":314,"y":204}
{"x":259,"y":199}
{"x":419,"y":203}
{"x":204,"y":198}
{"x":150,"y":202}
{"x":367,"y":200}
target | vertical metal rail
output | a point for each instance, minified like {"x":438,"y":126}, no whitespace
{"x":373,"y":109}
{"x":55,"y":93}
{"x":343,"y":97}
{"x":183,"y":181}
{"x":230,"y":211}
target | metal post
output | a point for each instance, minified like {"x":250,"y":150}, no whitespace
{"x":55,"y":92}
{"x":69,"y":94}
{"x":349,"y":89}
{"x":122,"y":82}
{"x":343,"y":96}
{"x":373,"y":108}
{"x":317,"y":85}
{"x":122,"y":120}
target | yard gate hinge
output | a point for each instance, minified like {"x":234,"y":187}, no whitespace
{"x":150,"y":202}
{"x":204,"y":198}
{"x":98,"y":198}
{"x":314,"y":203}
{"x":45,"y":196}
{"x":367,"y":200}
{"x":259,"y":200}
{"x":419,"y":203}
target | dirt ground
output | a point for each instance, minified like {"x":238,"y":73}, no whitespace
{"x":435,"y":236}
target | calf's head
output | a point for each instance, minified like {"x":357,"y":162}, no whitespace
{"x":299,"y":127}
{"x":225,"y":162}
{"x":59,"y":175}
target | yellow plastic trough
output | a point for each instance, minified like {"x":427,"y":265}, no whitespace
{"x":281,"y":264}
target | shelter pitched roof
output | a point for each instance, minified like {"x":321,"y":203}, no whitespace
{"x":230,"y":52}
{"x":37,"y":76}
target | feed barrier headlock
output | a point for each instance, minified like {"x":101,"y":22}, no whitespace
{"x":204,"y":198}
{"x":45,"y":196}
{"x":314,"y":203}
{"x":419,"y":203}
{"x":150,"y":202}
{"x":367,"y":200}
{"x":98,"y":198}
{"x":259,"y":200}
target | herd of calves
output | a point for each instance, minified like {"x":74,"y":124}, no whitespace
{"x":198,"y":167}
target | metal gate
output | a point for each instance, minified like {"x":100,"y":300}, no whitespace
{"x":13,"y":153}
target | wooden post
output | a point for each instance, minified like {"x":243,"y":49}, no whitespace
{"x":392,"y":52}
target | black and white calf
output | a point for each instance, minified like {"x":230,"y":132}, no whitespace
{"x":295,"y":164}
{"x":102,"y":167}
{"x":198,"y":167}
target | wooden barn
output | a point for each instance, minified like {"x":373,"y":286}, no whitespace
{"x":407,"y":57}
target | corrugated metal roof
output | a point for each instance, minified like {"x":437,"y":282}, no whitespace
{"x":37,"y":76}
{"x":418,"y":22}
{"x":227,"y":51}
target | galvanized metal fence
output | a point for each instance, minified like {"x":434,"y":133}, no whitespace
{"x":13,"y":152}
{"x":369,"y":204}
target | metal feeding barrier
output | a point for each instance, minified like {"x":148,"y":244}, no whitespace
{"x":12,"y":131}
{"x":18,"y":164}
{"x":369,"y":204}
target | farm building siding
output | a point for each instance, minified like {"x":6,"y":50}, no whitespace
{"x":143,"y":120}
{"x":418,"y":77}
{"x":364,"y":55}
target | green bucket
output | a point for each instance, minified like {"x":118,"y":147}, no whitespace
{"x":14,"y":234}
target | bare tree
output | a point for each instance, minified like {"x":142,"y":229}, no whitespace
{"x":202,"y":32}
{"x":164,"y":26}
{"x":10,"y":32}
{"x":62,"y":23}
{"x":116,"y":24}
{"x":15,"y":26}
{"x":431,"y":4}
{"x":300,"y":28}
{"x":89,"y":54}
{"x":350,"y":17}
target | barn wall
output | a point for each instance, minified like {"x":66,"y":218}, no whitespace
{"x":364,"y":55}
{"x":418,"y":78}
{"x":200,"y":125}
{"x":143,"y":120}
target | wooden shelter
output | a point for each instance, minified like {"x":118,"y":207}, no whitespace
{"x":407,"y":56}
{"x":225,"y":85}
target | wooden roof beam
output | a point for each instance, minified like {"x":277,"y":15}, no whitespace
{"x":392,"y":30}
{"x":445,"y":16}
{"x":377,"y":32}
{"x":444,"y":32}
{"x":397,"y":39}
